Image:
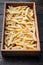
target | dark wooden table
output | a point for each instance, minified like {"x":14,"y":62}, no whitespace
{"x":24,"y":60}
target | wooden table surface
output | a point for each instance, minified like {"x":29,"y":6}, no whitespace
{"x":24,"y":60}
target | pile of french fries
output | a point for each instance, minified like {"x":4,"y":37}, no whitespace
{"x":20,"y":32}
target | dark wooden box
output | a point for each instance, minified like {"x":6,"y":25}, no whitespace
{"x":19,"y":52}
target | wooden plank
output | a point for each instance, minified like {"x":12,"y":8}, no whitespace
{"x":1,"y":22}
{"x":40,"y":25}
{"x":0,"y":55}
{"x":1,"y":8}
{"x":40,"y":1}
{"x":15,"y":0}
{"x":39,"y":9}
{"x":2,"y":1}
{"x":0,"y":36}
{"x":22,"y":60}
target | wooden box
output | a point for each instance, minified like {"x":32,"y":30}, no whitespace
{"x":20,"y":52}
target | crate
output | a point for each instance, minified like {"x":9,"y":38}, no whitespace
{"x":20,"y":52}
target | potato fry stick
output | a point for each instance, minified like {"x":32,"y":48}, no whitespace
{"x":20,"y":28}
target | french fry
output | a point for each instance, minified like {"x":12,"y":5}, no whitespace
{"x":20,"y":28}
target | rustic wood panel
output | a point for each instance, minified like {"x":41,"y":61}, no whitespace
{"x":1,"y":22}
{"x":1,"y":1}
{"x":39,"y":9}
{"x":1,"y":8}
{"x":40,"y":26}
{"x":0,"y":36}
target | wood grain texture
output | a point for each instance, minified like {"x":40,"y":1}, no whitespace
{"x":40,"y":26}
{"x":1,"y":8}
{"x":2,"y":1}
{"x":0,"y":36}
{"x":1,"y":22}
{"x":39,"y":1}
